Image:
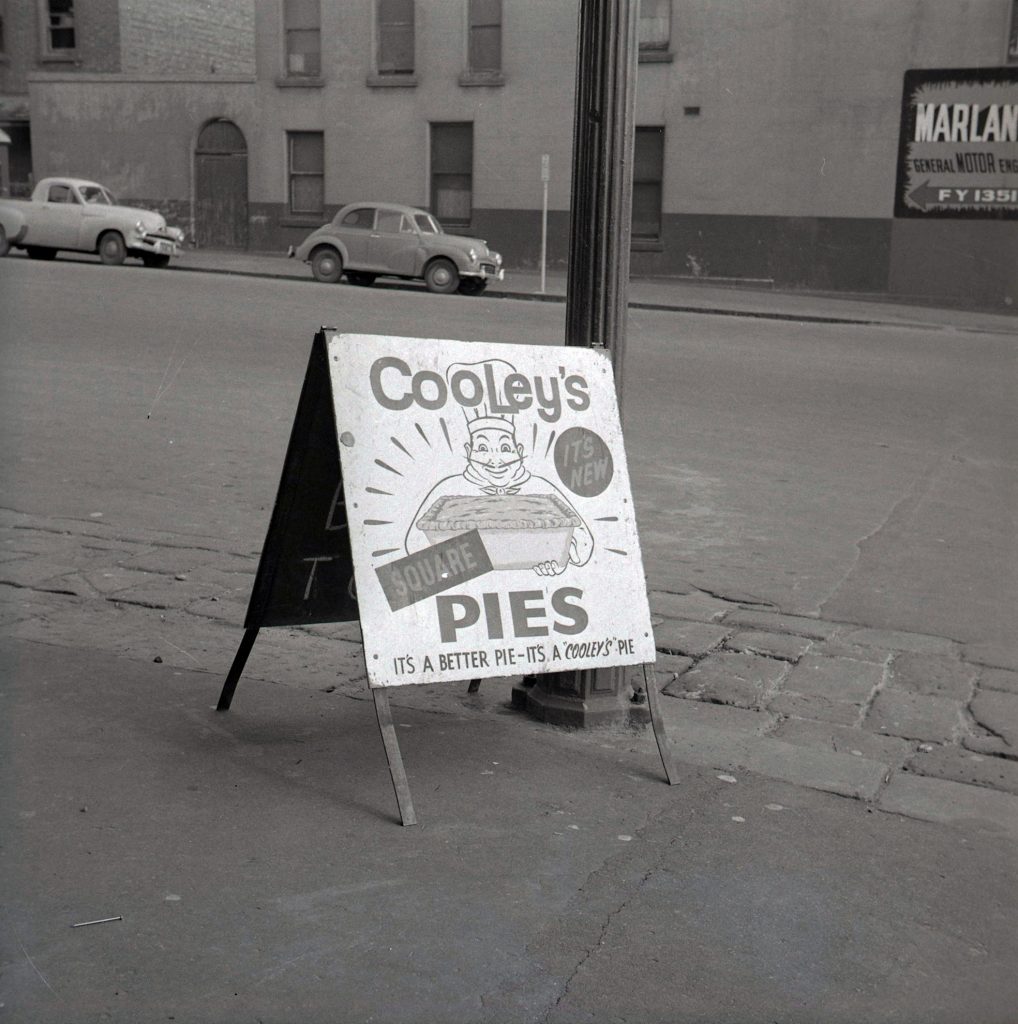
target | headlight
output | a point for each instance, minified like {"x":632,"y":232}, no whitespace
{"x":472,"y":254}
{"x":140,"y":227}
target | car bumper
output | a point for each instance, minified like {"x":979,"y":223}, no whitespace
{"x":160,"y":244}
{"x":485,"y":273}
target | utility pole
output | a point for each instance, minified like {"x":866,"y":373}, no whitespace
{"x":597,"y":287}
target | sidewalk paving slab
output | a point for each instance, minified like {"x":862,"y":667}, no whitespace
{"x":256,"y":865}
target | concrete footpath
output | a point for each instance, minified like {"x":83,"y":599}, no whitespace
{"x":679,"y":294}
{"x":841,"y":846}
{"x":253,"y":868}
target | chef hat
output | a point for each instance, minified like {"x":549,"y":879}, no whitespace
{"x":489,"y":390}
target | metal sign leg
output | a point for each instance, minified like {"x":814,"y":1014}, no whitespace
{"x":240,"y":659}
{"x":393,"y":756}
{"x":658,"y":722}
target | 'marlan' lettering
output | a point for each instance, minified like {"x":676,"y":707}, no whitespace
{"x":966,"y":122}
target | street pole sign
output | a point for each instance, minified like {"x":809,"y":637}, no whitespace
{"x":545,"y":177}
{"x":958,"y":146}
{"x":490,"y":512}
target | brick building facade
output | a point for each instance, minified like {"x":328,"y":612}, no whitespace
{"x":766,"y":142}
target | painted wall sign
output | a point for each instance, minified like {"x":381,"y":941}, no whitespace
{"x":490,"y":514}
{"x":958,"y":147}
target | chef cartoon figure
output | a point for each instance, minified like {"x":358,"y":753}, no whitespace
{"x":495,"y":474}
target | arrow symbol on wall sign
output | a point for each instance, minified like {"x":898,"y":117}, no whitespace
{"x":962,"y":195}
{"x":923,"y":195}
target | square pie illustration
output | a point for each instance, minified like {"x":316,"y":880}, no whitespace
{"x":518,"y":530}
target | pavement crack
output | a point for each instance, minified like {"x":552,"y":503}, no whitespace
{"x":902,"y":509}
{"x":601,"y":939}
{"x":138,"y":604}
{"x":743,"y":600}
{"x":38,"y":590}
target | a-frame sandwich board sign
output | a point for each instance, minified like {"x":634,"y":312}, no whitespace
{"x":305,"y":573}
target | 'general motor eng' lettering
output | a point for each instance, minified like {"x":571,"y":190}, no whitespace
{"x":401,"y":388}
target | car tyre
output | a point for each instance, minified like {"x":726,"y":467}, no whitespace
{"x":155,"y":259}
{"x":361,"y":278}
{"x":112,"y":250}
{"x":326,"y":265}
{"x":5,"y":246}
{"x":472,"y":285}
{"x":39,"y":252}
{"x":442,"y":277}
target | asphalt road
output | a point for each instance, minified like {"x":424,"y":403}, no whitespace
{"x":863,"y":472}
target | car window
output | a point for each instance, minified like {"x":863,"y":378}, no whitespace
{"x":362,"y":217}
{"x":389,"y":220}
{"x":427,"y":224}
{"x":61,"y":194}
{"x":95,"y":194}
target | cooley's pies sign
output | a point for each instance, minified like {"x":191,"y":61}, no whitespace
{"x":490,"y":513}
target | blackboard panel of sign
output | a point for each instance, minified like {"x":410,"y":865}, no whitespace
{"x":305,"y":574}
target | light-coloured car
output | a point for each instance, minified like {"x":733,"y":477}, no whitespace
{"x":83,"y":216}
{"x":368,"y":240}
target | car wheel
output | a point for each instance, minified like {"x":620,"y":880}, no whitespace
{"x":360,"y":277}
{"x":38,"y":252}
{"x":441,"y":277}
{"x":472,"y":286}
{"x":112,"y":250}
{"x":5,"y":246}
{"x":155,"y":259}
{"x":326,"y":265}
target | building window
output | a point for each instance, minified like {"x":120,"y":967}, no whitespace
{"x":1012,"y":39}
{"x":648,"y":172}
{"x":452,"y":173}
{"x":58,"y":39}
{"x":306,"y":152}
{"x":3,"y":12}
{"x":395,"y":37}
{"x":303,"y":34}
{"x":655,"y":29}
{"x":484,"y":36}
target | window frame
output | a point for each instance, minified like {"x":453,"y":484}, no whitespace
{"x":435,"y":174}
{"x":381,"y":69}
{"x":656,"y":51}
{"x":472,"y":74}
{"x":293,"y":175}
{"x":47,"y":50}
{"x":648,"y":241}
{"x":287,"y":30}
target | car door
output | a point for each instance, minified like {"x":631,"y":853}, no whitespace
{"x":354,"y":231}
{"x":58,"y":218}
{"x":394,"y":243}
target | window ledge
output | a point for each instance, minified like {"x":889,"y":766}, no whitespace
{"x":646,"y":245}
{"x":376,"y":81}
{"x":300,"y":82}
{"x":58,"y":58}
{"x":492,"y":79}
{"x":656,"y":56}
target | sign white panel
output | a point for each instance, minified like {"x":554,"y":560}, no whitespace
{"x":491,"y":518}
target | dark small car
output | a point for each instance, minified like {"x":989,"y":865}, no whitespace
{"x":369,"y":240}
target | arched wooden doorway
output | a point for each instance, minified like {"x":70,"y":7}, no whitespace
{"x":220,"y":191}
